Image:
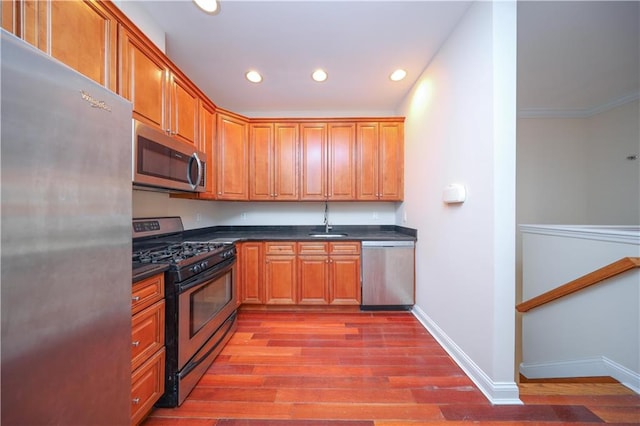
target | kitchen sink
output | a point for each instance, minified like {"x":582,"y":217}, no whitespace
{"x":323,"y":235}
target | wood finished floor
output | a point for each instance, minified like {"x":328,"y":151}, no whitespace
{"x":367,"y":369}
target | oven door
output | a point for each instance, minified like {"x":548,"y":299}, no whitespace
{"x":204,"y":303}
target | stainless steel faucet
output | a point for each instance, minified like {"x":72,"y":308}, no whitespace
{"x":327,"y":227}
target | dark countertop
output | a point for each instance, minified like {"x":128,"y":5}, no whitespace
{"x":146,"y":270}
{"x":282,"y":233}
{"x":301,"y":233}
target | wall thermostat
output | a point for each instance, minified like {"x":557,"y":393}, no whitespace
{"x":454,"y":193}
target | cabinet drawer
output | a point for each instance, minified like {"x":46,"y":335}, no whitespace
{"x":345,"y":247}
{"x":147,"y":292}
{"x":147,"y":385}
{"x":313,"y":248}
{"x":283,"y":247}
{"x":147,"y":333}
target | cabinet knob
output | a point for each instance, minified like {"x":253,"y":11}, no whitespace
{"x":135,"y":298}
{"x":136,"y":401}
{"x":135,"y":344}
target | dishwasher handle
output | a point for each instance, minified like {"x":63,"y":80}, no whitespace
{"x":395,"y":243}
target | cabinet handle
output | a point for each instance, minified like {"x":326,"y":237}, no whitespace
{"x":135,"y":344}
{"x":136,"y":401}
{"x":135,"y":298}
{"x":168,"y":131}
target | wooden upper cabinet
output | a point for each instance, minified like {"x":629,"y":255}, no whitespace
{"x":342,"y":161}
{"x":273,"y":161}
{"x":232,"y":160}
{"x":391,"y":161}
{"x":143,"y":80}
{"x":285,"y":161}
{"x":261,"y":161}
{"x":81,"y":34}
{"x":183,"y":110}
{"x":9,"y":16}
{"x":313,"y":161}
{"x":380,"y":159}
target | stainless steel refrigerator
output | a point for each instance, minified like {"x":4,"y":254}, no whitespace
{"x":66,"y":244}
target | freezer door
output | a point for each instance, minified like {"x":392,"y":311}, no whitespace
{"x":66,"y":244}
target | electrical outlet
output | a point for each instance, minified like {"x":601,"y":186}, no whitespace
{"x":243,"y":216}
{"x":375,"y":215}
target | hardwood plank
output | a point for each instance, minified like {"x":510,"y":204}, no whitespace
{"x":367,"y":369}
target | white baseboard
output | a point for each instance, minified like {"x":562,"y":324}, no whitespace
{"x":586,"y":367}
{"x":498,"y":393}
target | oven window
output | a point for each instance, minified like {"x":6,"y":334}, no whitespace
{"x":208,"y":301}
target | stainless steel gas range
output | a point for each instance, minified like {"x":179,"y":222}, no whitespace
{"x":201,"y":299}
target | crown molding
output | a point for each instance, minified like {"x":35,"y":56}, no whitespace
{"x":578,"y":112}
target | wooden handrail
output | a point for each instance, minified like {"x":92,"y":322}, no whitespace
{"x":601,"y":274}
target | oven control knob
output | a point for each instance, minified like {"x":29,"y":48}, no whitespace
{"x":195,"y":269}
{"x":204,"y":265}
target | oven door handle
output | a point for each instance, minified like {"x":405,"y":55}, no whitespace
{"x":195,"y":362}
{"x":217,"y":270}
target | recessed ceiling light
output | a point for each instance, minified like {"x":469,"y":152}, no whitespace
{"x":253,"y":76}
{"x":319,"y":75}
{"x":398,"y":75}
{"x":209,"y":6}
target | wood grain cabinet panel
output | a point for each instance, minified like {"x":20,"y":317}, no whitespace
{"x":313,"y":161}
{"x":261,"y":161}
{"x":380,"y":161}
{"x":184,"y":110}
{"x":232,"y":162}
{"x":251,"y":272}
{"x":143,"y":80}
{"x":280,"y":275}
{"x":81,"y":34}
{"x":147,"y":341}
{"x":207,"y":144}
{"x":345,"y":288}
{"x":341,"y":171}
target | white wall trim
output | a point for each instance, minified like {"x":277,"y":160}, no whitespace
{"x":585,"y":367}
{"x":579,"y":112}
{"x":498,"y":393}
{"x":616,"y":234}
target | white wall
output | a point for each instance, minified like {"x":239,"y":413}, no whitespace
{"x":613,"y":182}
{"x":575,"y":171}
{"x":201,"y":213}
{"x":460,"y":127}
{"x":143,"y":21}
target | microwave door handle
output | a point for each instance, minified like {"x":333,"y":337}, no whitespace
{"x":195,"y":158}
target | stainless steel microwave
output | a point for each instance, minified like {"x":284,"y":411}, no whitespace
{"x":162,"y":162}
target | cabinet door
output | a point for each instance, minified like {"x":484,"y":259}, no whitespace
{"x":207,"y":144}
{"x":143,"y":80}
{"x":261,"y":161}
{"x":313,"y":184}
{"x":9,"y":20}
{"x":313,"y":279}
{"x":232,"y":165}
{"x":251,"y":262}
{"x":184,"y":111}
{"x":285,"y":161}
{"x":367,"y":161}
{"x":345,"y":280}
{"x":342,"y":161}
{"x":280,"y":279}
{"x":81,"y":34}
{"x":391,"y":146}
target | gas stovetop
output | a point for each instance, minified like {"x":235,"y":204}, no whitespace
{"x":179,"y":254}
{"x":159,"y":241}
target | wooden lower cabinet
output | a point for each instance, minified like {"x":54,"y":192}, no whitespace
{"x":280,"y":273}
{"x":147,"y":346}
{"x":299,"y":273}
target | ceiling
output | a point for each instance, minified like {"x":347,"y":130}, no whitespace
{"x":571,"y":55}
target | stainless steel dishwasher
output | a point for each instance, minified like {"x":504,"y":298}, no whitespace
{"x":388,"y":275}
